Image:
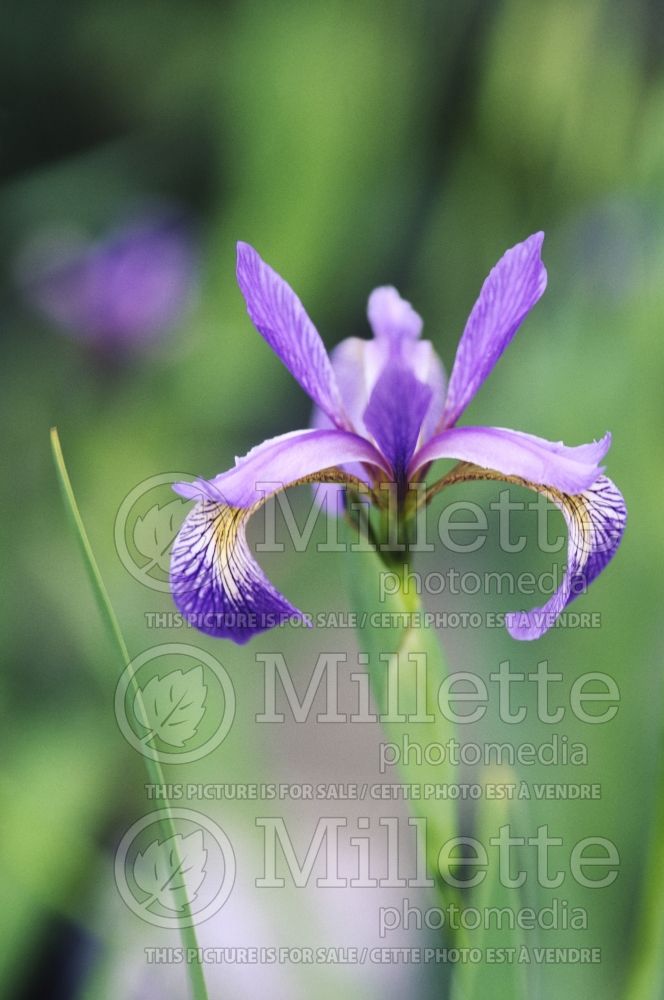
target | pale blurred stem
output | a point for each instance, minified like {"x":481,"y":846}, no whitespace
{"x":153,"y":767}
{"x":390,"y":657}
{"x":646,"y":975}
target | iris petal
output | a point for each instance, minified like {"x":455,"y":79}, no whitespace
{"x":595,"y":521}
{"x":514,"y":453}
{"x":360,"y":365}
{"x":394,"y":415}
{"x":391,"y":316}
{"x":215,"y":581}
{"x":510,"y":291}
{"x":280,"y":317}
{"x":283,"y":459}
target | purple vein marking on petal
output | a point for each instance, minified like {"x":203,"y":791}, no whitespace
{"x":215,"y":580}
{"x":508,"y":294}
{"x":595,"y":521}
{"x":280,"y":317}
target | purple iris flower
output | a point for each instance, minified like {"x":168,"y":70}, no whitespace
{"x":119,"y":294}
{"x":384,"y":412}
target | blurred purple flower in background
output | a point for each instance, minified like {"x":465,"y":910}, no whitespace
{"x":121,"y":293}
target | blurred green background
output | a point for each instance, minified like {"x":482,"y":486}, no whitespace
{"x":353,"y":145}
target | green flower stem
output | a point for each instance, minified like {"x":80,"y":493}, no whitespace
{"x":155,"y":772}
{"x":405,"y":658}
{"x":508,"y":980}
